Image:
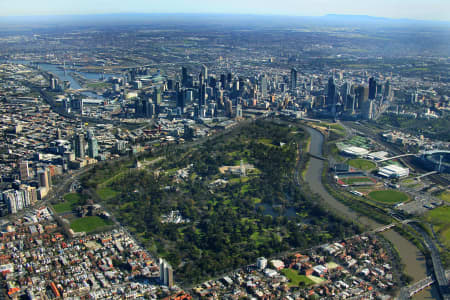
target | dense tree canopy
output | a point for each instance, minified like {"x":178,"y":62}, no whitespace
{"x":232,"y":225}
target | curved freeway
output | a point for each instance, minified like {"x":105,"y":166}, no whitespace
{"x":413,"y":259}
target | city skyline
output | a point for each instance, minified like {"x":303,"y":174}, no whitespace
{"x":435,"y":10}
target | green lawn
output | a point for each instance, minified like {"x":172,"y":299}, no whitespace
{"x":445,"y":196}
{"x":238,"y":180}
{"x":362,"y":164}
{"x":256,"y":200}
{"x":353,"y":180}
{"x":71,"y":202}
{"x":259,"y":238}
{"x":72,"y":197}
{"x":440,"y":218}
{"x":315,"y":279}
{"x":98,"y":85}
{"x":388,"y":196}
{"x":89,"y":224}
{"x":106,"y":193}
{"x":265,"y":141}
{"x":295,"y":278}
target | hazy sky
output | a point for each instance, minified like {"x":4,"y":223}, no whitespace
{"x":413,"y":9}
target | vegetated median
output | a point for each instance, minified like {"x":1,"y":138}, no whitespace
{"x":205,"y":222}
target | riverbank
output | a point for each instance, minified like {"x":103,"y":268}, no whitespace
{"x":411,"y":257}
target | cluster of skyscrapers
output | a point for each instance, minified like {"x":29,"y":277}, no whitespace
{"x":356,"y":100}
{"x":22,"y":195}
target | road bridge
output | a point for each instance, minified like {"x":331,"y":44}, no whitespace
{"x":317,"y":156}
{"x":387,"y":227}
{"x":426,"y":174}
{"x":410,"y":290}
{"x":438,"y":268}
{"x":397,"y":156}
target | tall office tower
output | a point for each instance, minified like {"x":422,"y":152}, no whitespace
{"x":361,"y":95}
{"x":53,"y":83}
{"x":368,"y":109}
{"x":263,"y":85}
{"x":170,"y":84}
{"x":212,"y":82}
{"x":189,"y":96}
{"x":311,"y":84}
{"x":157,"y":95}
{"x":229,"y":108}
{"x":238,"y":111}
{"x":31,"y":191}
{"x":331,"y":94}
{"x":229,"y":77}
{"x":137,"y":108}
{"x":92,"y":147}
{"x":387,"y":90}
{"x":351,"y":103}
{"x":205,"y":73}
{"x":58,"y":134}
{"x":184,"y":76}
{"x":43,"y":179}
{"x":202,"y":95}
{"x":165,"y":273}
{"x":293,"y":79}
{"x":372,"y":88}
{"x":9,"y":198}
{"x":241,"y":83}
{"x":219,"y":99}
{"x":90,"y":133}
{"x":345,"y":93}
{"x":181,"y":97}
{"x":236,"y":86}
{"x":223,"y":80}
{"x":414,"y":97}
{"x":146,"y":108}
{"x":24,"y":170}
{"x":79,"y":145}
{"x":149,"y":108}
{"x":380,"y":89}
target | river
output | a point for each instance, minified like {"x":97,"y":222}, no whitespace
{"x":58,"y":71}
{"x":410,"y":255}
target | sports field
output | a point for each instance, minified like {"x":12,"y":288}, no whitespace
{"x":388,"y":196}
{"x":357,"y":180}
{"x":362,"y":164}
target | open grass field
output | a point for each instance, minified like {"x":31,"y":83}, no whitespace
{"x":440,"y":218}
{"x":259,"y":238}
{"x":445,"y":196}
{"x":295,"y":278}
{"x":334,"y":127}
{"x":315,"y":279}
{"x":106,"y":193}
{"x":357,"y":180}
{"x":89,"y":224}
{"x":362,"y":164}
{"x":388,"y":196}
{"x":71,"y":201}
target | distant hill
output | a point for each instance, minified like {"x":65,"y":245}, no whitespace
{"x":240,"y":20}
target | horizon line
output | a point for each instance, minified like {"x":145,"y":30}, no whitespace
{"x":224,"y":14}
